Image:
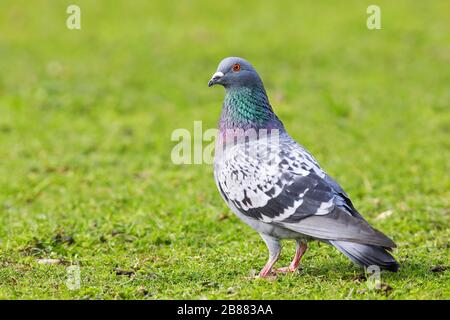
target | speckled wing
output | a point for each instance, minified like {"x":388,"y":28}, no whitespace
{"x":280,"y":185}
{"x":285,"y":186}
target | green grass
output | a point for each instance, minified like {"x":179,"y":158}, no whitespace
{"x":85,"y":124}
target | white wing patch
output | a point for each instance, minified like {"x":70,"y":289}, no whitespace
{"x":324,"y":208}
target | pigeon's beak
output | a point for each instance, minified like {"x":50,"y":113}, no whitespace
{"x":215,"y":78}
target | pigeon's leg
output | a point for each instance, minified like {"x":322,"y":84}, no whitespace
{"x":273,"y":244}
{"x":299,"y":251}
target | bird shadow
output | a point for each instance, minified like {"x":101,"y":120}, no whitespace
{"x":349,"y":271}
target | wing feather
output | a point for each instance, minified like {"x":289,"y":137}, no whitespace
{"x":293,"y":192}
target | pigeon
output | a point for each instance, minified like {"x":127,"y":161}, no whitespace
{"x":276,"y":186}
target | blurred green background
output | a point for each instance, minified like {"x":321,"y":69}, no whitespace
{"x":85,"y":123}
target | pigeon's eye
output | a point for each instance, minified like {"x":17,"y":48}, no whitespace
{"x":236,"y":67}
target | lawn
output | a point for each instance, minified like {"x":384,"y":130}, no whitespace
{"x":86,"y":117}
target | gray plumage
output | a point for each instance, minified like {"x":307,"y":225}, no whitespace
{"x":276,"y":186}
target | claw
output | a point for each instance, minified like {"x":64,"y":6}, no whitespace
{"x":270,"y":276}
{"x":285,"y":270}
{"x":267,"y":271}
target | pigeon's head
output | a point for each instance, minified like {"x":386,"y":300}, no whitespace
{"x":235,"y":72}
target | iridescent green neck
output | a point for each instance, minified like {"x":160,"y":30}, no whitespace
{"x":247,"y":108}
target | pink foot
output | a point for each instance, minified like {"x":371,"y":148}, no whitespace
{"x":266,"y":273}
{"x":267,"y":270}
{"x":300,"y":250}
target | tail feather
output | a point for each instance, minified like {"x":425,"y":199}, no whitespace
{"x":366,"y":255}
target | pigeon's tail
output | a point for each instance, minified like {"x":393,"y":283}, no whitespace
{"x":366,"y":255}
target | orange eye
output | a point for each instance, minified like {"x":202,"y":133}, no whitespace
{"x":236,"y":67}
